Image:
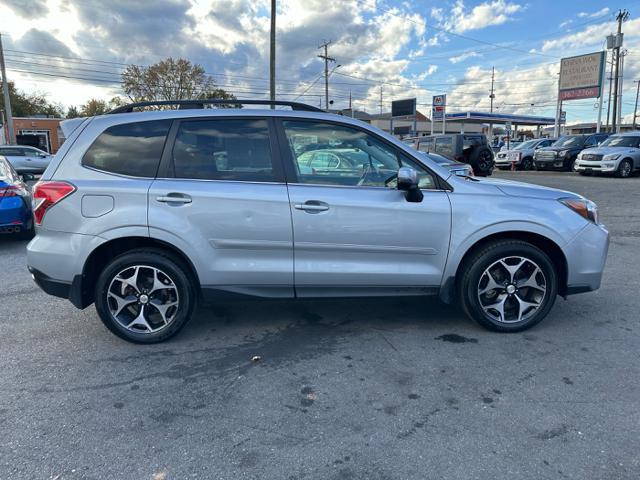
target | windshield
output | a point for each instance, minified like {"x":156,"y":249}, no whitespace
{"x":621,"y":141}
{"x":526,"y":145}
{"x":574,"y":141}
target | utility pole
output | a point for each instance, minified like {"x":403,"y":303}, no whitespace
{"x":326,"y":59}
{"x":610,"y":90}
{"x":622,"y":16}
{"x":381,"y":100}
{"x":272,"y":56}
{"x":7,"y":100}
{"x":491,"y":97}
{"x":635,"y":109}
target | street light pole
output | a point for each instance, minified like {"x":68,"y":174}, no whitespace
{"x":635,"y":110}
{"x":622,"y":16}
{"x":7,"y":98}
{"x":272,"y":56}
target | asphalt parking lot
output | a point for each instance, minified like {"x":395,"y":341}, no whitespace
{"x":349,"y":389}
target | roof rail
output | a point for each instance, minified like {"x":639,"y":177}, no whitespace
{"x":199,"y":104}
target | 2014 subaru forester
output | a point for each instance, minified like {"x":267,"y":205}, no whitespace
{"x":144,"y":212}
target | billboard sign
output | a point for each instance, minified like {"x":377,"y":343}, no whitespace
{"x":403,"y":108}
{"x":581,"y":76}
{"x":439,"y":107}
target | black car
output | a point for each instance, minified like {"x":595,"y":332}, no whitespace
{"x":472,"y":149}
{"x":563,"y":153}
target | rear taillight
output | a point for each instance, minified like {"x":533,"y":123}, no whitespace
{"x":47,"y":194}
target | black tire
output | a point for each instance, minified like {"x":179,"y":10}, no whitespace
{"x":527,"y":164}
{"x":625,"y":169}
{"x":481,"y":159}
{"x":570,"y":163}
{"x":472,"y":273}
{"x":170,"y":265}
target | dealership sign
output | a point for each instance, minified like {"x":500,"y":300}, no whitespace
{"x":581,"y":76}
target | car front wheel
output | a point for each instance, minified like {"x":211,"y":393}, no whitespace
{"x":508,"y":286}
{"x":624,"y":169}
{"x":145,"y":296}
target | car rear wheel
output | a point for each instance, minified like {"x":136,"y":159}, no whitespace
{"x":624,"y":169}
{"x":508,"y":286}
{"x":481,"y":160}
{"x":145,"y":296}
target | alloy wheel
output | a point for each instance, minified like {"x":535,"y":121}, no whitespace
{"x":512,"y":289}
{"x":143,"y":299}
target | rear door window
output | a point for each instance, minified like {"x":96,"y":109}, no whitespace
{"x":224,"y":149}
{"x":129,"y":149}
{"x":444,"y":146}
{"x":13,"y":152}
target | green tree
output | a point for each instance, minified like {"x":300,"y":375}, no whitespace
{"x":72,"y":112}
{"x":170,"y":79}
{"x":30,"y":104}
{"x":94,"y":107}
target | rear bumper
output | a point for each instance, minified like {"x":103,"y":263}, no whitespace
{"x":71,"y":291}
{"x":586,"y":257}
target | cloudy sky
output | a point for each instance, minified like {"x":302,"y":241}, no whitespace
{"x":75,"y":49}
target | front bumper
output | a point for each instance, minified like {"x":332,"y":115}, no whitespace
{"x":586,"y":256}
{"x":608,"y":166}
{"x":556,"y":164}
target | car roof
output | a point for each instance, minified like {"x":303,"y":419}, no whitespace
{"x":634,"y":133}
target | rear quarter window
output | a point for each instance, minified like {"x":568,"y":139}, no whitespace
{"x":132,"y":149}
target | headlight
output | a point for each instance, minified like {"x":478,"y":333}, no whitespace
{"x":583,"y":207}
{"x":611,"y":156}
{"x":562,"y":153}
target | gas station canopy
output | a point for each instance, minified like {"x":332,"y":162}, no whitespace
{"x":486,"y":117}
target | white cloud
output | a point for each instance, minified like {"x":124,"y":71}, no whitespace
{"x":464,"y":56}
{"x":600,"y":13}
{"x":494,"y":12}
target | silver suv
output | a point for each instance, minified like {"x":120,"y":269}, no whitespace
{"x":619,"y":154}
{"x":145,"y":212}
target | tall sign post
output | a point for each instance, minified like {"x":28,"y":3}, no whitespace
{"x":580,"y":77}
{"x":439,"y":111}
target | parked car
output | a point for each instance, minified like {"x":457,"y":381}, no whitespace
{"x":15,"y":202}
{"x":458,"y":168}
{"x":563,"y":153}
{"x":472,"y":149}
{"x":619,"y":154}
{"x":522,"y":154}
{"x":136,"y":215}
{"x":26,"y":159}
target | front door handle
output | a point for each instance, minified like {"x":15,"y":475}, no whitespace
{"x":174,"y":198}
{"x":312,"y":206}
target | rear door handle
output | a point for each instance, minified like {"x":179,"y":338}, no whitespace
{"x":312,"y":206}
{"x":174,"y":198}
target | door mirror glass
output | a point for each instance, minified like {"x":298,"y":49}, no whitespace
{"x":408,"y":182}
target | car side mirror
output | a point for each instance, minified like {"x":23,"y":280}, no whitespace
{"x":27,"y":177}
{"x":408,"y":182}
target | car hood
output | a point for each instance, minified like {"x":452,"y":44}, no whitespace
{"x":608,"y":150}
{"x":521,"y":189}
{"x":559,"y":149}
